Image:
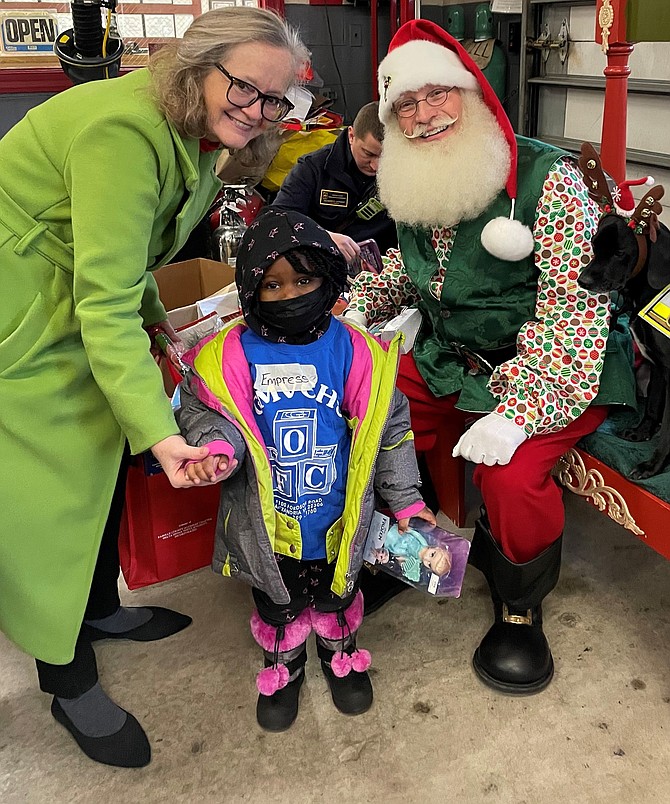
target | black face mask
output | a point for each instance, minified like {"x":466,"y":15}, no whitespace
{"x":297,"y":315}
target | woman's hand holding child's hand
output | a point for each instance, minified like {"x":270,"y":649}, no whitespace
{"x":425,"y":513}
{"x":172,"y":453}
{"x":187,"y":466}
{"x":213,"y":469}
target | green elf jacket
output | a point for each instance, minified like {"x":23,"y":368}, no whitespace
{"x":96,"y":189}
{"x":486,"y":301}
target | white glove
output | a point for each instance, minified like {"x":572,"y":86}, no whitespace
{"x":492,"y":439}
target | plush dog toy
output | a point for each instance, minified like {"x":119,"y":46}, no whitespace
{"x":631,"y":254}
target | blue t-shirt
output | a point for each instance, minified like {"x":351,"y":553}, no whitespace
{"x":298,"y":392}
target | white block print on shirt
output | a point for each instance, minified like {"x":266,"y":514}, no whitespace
{"x":300,"y":465}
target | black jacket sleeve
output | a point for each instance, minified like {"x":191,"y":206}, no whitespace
{"x":299,"y":187}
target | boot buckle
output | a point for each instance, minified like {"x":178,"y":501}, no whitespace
{"x":516,"y":619}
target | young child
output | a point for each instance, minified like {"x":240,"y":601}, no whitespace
{"x":303,"y":423}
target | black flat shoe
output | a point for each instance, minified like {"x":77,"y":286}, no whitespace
{"x":127,"y":748}
{"x":278,"y":712}
{"x":378,"y":589}
{"x":163,"y":623}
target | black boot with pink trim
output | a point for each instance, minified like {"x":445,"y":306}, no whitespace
{"x":344,"y":665}
{"x":280,"y":680}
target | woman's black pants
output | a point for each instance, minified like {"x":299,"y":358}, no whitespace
{"x":74,"y":679}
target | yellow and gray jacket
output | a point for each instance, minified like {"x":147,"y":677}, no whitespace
{"x":217,"y":404}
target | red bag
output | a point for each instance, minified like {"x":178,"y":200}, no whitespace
{"x":165,"y":532}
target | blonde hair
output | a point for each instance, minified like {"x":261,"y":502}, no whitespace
{"x":179,"y":68}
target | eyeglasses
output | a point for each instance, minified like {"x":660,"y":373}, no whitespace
{"x":243,"y":95}
{"x":407,"y":108}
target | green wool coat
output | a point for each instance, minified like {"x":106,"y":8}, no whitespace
{"x":97,"y":189}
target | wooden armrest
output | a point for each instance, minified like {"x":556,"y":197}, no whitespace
{"x":628,"y":504}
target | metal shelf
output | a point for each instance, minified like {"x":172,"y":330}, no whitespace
{"x":638,"y":85}
{"x":562,"y":2}
{"x":632,"y":155}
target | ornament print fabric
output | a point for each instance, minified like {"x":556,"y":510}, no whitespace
{"x":560,"y":353}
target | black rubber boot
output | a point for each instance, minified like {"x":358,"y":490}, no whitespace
{"x":163,"y":623}
{"x":378,"y":588}
{"x":128,"y":748}
{"x":514,"y":656}
{"x":351,"y":694}
{"x":278,"y":712}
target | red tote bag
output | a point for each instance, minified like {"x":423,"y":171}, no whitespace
{"x":165,"y":532}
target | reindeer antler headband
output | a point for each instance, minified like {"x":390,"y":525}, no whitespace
{"x":647,"y":212}
{"x":596,"y":183}
{"x":644,"y":220}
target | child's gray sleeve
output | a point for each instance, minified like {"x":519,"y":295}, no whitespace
{"x":199,"y":424}
{"x":396,"y":471}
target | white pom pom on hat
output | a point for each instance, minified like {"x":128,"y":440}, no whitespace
{"x":422,"y":53}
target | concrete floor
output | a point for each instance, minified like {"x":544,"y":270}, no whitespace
{"x":599,"y":733}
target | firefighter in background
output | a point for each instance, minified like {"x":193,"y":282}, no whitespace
{"x":336,"y":186}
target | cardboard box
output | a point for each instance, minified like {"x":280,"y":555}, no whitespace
{"x":182,"y":284}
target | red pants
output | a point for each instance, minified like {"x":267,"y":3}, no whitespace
{"x":523,"y":502}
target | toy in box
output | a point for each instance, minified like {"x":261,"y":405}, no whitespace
{"x":424,"y":556}
{"x":369,"y":259}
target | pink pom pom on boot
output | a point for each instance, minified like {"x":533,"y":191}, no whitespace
{"x":271,"y":679}
{"x":361,"y":660}
{"x":341,"y":664}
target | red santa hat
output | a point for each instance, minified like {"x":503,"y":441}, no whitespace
{"x":422,"y":53}
{"x":623,"y":197}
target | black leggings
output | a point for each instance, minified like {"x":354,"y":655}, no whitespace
{"x":308,"y":583}
{"x":74,"y":679}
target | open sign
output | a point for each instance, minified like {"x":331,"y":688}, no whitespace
{"x":28,"y":31}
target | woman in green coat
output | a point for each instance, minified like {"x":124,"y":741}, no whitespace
{"x":100,"y":186}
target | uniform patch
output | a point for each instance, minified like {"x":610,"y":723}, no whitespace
{"x":334,"y":198}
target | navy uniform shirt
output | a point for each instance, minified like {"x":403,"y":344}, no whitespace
{"x":328,"y":187}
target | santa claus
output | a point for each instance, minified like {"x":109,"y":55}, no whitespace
{"x":493,"y":230}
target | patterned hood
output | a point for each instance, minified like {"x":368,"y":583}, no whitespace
{"x":284,"y":233}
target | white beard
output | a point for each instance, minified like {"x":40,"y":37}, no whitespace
{"x":452,"y":180}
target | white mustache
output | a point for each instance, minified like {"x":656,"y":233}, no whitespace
{"x":421,"y":128}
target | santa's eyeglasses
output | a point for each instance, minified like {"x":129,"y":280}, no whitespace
{"x":407,"y":108}
{"x":242,"y":94}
